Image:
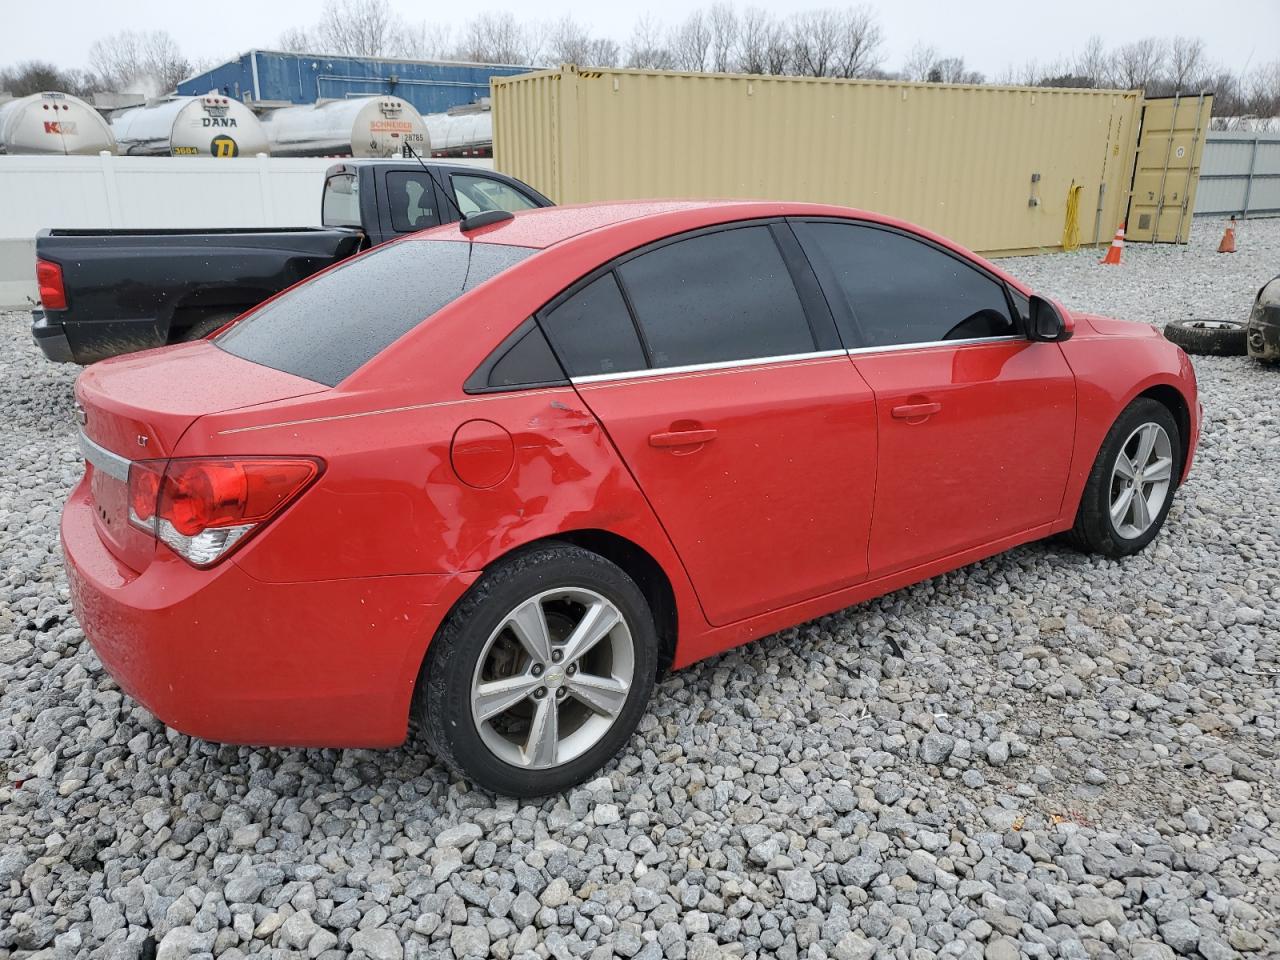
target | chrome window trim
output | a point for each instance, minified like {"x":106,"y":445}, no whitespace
{"x":854,"y":351}
{"x":788,"y":358}
{"x":700,"y":367}
{"x":112,"y":464}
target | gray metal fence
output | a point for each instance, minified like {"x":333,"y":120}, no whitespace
{"x":1240,"y":174}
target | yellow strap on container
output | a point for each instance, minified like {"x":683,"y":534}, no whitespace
{"x":1071,"y":227}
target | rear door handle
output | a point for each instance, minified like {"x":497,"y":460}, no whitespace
{"x":681,"y":438}
{"x":912,"y":411}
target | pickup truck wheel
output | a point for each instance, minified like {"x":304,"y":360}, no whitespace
{"x":203,"y":327}
{"x":1219,"y":338}
{"x":540,"y":674}
{"x":1131,"y":485}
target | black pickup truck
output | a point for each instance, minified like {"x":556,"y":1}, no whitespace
{"x":107,"y":292}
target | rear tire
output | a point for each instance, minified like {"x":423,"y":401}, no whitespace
{"x":1111,"y":520}
{"x":515,"y":695}
{"x":1220,"y":338}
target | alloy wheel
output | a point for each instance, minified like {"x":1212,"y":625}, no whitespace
{"x":1140,"y":480}
{"x":552,"y":678}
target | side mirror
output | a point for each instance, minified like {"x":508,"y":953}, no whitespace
{"x":1049,"y":322}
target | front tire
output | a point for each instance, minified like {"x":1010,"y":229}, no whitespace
{"x":1131,"y":485}
{"x":541,"y":673}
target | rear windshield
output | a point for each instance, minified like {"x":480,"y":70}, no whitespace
{"x":326,"y":328}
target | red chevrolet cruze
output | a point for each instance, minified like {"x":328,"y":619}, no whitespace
{"x":497,"y":477}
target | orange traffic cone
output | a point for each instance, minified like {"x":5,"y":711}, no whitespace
{"x":1228,"y":244}
{"x":1117,"y":246}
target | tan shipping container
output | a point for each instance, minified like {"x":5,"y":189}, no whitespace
{"x":990,"y":167}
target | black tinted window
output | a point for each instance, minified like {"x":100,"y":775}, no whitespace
{"x":527,"y":362}
{"x":412,"y":198}
{"x":592,"y":331}
{"x":327,"y":327}
{"x":903,"y":290}
{"x":719,"y":296}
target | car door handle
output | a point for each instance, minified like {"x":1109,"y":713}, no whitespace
{"x":912,"y":411}
{"x":681,"y":438}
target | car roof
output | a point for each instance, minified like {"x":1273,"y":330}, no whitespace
{"x":549,"y":226}
{"x":628,"y":223}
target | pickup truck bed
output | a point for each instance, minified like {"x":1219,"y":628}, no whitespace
{"x":107,"y":292}
{"x":146,"y":288}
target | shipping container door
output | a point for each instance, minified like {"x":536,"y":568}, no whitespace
{"x":1167,"y":168}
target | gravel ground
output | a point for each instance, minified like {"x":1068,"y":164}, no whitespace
{"x":1077,"y":758}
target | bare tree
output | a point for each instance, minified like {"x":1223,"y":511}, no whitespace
{"x":647,"y":48}
{"x":860,"y":41}
{"x":691,"y":42}
{"x":815,"y":42}
{"x":1186,"y":63}
{"x":1093,"y":64}
{"x":501,"y":38}
{"x":1139,"y":64}
{"x":297,"y":40}
{"x":141,"y":62}
{"x":722,"y":21}
{"x":568,"y":41}
{"x":920,"y":62}
{"x":1262,"y":90}
{"x":359,"y":28}
{"x":36,"y":76}
{"x":764,"y":43}
{"x":429,"y":41}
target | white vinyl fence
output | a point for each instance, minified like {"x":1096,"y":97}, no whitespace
{"x":105,"y":192}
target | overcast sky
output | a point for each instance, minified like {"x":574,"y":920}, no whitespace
{"x":989,"y":34}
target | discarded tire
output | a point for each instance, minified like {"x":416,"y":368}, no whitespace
{"x":1219,"y":338}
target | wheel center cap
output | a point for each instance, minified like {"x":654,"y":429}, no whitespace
{"x":553,"y":680}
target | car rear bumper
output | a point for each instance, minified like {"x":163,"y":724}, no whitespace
{"x":220,"y":655}
{"x":51,"y":338}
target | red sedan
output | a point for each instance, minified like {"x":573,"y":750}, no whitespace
{"x":499,"y":476}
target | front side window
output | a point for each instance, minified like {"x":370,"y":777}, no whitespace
{"x":482,"y":194}
{"x":412,"y":199}
{"x":717,"y":296}
{"x":341,"y":204}
{"x":592,"y":331}
{"x":902,"y":290}
{"x":327,"y":327}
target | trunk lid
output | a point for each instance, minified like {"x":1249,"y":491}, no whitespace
{"x":138,"y":407}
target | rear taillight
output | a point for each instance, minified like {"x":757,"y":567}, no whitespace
{"x":53,"y":296}
{"x":203,"y":507}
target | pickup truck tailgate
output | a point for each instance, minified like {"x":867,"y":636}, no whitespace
{"x":137,"y":407}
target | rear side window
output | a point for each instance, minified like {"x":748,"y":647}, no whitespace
{"x":412,"y":198}
{"x":714,"y":297}
{"x":902,"y":290}
{"x":341,"y":204}
{"x":592,"y":331}
{"x":528,"y":362}
{"x":334,"y":323}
